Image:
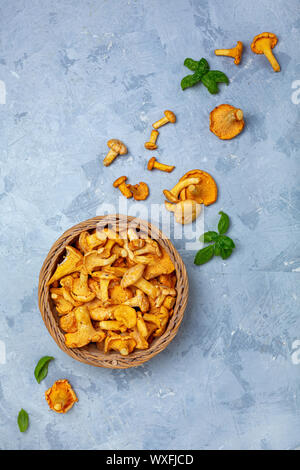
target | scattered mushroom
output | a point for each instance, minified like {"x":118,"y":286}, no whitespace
{"x":226,"y":121}
{"x":206,"y":192}
{"x":153,"y":163}
{"x":185,"y":212}
{"x":151,"y":145}
{"x":169,"y":117}
{"x":263,"y":44}
{"x":235,"y":52}
{"x":123,"y":187}
{"x":61,"y":397}
{"x":140,"y":191}
{"x":173,"y":194}
{"x":116,"y":148}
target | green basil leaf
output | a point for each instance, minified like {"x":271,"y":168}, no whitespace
{"x":23,"y":420}
{"x":188,"y":81}
{"x":224,"y":223}
{"x":41,"y":370}
{"x":226,"y":242}
{"x":191,"y":64}
{"x":225,"y":252}
{"x":217,"y":249}
{"x":204,"y":255}
{"x":208,"y":237}
{"x":218,"y":76}
{"x":203,"y":66}
{"x":210,"y":84}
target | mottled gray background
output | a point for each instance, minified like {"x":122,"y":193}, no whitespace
{"x":78,"y":72}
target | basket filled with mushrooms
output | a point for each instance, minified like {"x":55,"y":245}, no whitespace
{"x":112,"y":291}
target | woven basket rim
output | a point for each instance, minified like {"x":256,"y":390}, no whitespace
{"x":90,"y":354}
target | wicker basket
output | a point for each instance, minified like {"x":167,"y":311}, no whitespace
{"x":90,"y":354}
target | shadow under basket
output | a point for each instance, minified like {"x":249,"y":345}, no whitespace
{"x":90,"y":354}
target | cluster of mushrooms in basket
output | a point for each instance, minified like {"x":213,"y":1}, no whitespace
{"x":114,"y":289}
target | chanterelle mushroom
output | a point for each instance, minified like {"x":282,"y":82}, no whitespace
{"x":116,"y":148}
{"x":71,"y":263}
{"x":235,"y":52}
{"x":263,"y":44}
{"x":226,"y":121}
{"x":61,"y":397}
{"x":140,"y":191}
{"x":85,"y":332}
{"x":169,"y":117}
{"x":185,"y":212}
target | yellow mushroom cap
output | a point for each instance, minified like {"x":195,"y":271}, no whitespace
{"x":117,"y":146}
{"x":226,"y":121}
{"x":256,"y":45}
{"x":170,"y":115}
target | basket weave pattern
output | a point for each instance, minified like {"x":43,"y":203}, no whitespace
{"x":90,"y":354}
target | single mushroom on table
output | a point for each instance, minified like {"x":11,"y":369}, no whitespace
{"x":116,"y":148}
{"x":140,"y":191}
{"x":263,"y":44}
{"x":226,"y":121}
{"x":123,"y":187}
{"x":151,"y":145}
{"x":61,"y":397}
{"x":169,"y":117}
{"x":234,"y":52}
{"x":153,"y":163}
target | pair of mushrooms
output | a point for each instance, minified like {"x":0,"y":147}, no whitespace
{"x":140,"y":191}
{"x":169,"y":116}
{"x":185,"y":199}
{"x":262,"y":44}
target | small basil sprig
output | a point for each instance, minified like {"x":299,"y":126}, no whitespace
{"x":23,"y":420}
{"x":221,"y":244}
{"x":209,"y":78}
{"x":41,"y":370}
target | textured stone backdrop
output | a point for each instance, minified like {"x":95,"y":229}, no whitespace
{"x":77,"y":72}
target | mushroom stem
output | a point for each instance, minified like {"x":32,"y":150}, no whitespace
{"x":160,"y":122}
{"x":234,"y":115}
{"x":169,"y":117}
{"x":110,"y":157}
{"x":151,"y":145}
{"x":272,"y":59}
{"x":153,"y":163}
{"x":235,"y":52}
